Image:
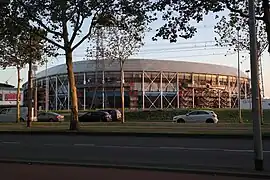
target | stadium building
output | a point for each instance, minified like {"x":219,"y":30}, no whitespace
{"x":149,"y":84}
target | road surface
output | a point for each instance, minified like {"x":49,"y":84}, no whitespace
{"x":208,"y":154}
{"x":40,"y":172}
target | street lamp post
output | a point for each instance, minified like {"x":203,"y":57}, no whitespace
{"x":256,"y":114}
{"x":47,"y":89}
{"x":35,"y":91}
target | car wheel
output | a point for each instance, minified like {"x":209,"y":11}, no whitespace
{"x":180,"y":121}
{"x":51,"y":120}
{"x":209,"y":121}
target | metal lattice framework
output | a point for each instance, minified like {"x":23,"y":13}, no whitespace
{"x":147,"y":90}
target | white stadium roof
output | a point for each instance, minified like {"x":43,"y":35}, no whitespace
{"x":145,"y":65}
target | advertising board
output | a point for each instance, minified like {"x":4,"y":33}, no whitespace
{"x":8,"y":97}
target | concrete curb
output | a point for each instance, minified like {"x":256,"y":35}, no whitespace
{"x":134,"y":134}
{"x":260,"y":174}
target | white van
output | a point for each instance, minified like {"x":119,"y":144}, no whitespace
{"x":10,"y":115}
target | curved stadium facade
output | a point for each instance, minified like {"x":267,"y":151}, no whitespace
{"x":149,"y":84}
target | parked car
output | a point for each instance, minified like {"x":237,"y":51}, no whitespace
{"x":96,"y":116}
{"x":198,"y":116}
{"x":116,"y":114}
{"x":49,"y":117}
{"x":4,"y":111}
{"x":10,"y":114}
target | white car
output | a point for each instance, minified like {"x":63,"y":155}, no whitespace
{"x":197,"y":116}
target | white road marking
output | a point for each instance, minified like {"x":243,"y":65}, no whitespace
{"x":180,"y":148}
{"x":192,"y":149}
{"x":124,"y":147}
{"x":86,"y":145}
{"x":10,"y":142}
{"x":56,"y":145}
{"x":238,"y":150}
{"x":146,"y":147}
{"x":49,"y":144}
{"x":212,"y":149}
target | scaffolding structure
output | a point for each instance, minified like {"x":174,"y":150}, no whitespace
{"x":145,"y":90}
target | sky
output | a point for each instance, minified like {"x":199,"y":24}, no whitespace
{"x":197,"y":49}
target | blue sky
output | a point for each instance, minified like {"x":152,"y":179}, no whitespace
{"x":200,"y":47}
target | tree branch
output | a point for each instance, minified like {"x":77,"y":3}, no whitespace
{"x":38,"y":34}
{"x":238,"y":11}
{"x":78,"y":24}
{"x":77,"y":27}
{"x":39,"y":21}
{"x":64,"y":26}
{"x":87,"y":35}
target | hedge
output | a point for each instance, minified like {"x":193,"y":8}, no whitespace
{"x":224,"y":115}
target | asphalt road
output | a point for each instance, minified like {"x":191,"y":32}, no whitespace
{"x":230,"y":154}
{"x":33,"y":172}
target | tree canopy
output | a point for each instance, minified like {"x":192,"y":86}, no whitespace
{"x":18,"y":46}
{"x":59,"y":17}
{"x":64,"y":22}
{"x":178,"y":15}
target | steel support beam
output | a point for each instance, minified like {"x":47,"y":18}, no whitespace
{"x":161,"y":90}
{"x":84,"y":91}
{"x":177,"y":89}
{"x":143,"y":91}
{"x":68,"y":96}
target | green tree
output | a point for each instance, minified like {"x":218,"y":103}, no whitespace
{"x":178,"y":16}
{"x":64,"y":22}
{"x":17,"y":48}
{"x":118,"y":45}
{"x":233,"y":30}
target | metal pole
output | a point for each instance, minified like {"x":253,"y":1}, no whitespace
{"x":122,"y":90}
{"x":143,"y":91}
{"x":161,"y":90}
{"x":56,"y":93}
{"x":68,"y":96}
{"x":30,"y":101}
{"x":238,"y":77}
{"x":245,"y":89}
{"x":84,"y":91}
{"x":47,"y":89}
{"x":219,"y":105}
{"x":256,"y":115}
{"x":30,"y":89}
{"x":103,"y":68}
{"x":193,"y":98}
{"x":36,"y":97}
{"x":177,"y":88}
{"x":103,"y":90}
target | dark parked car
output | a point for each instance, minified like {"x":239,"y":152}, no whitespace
{"x":49,"y":117}
{"x":96,"y":116}
{"x":116,"y":114}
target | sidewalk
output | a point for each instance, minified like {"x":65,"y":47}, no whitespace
{"x":45,"y":172}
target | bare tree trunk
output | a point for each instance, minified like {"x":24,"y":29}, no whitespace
{"x":122,"y":91}
{"x":74,"y":121}
{"x":18,"y":94}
